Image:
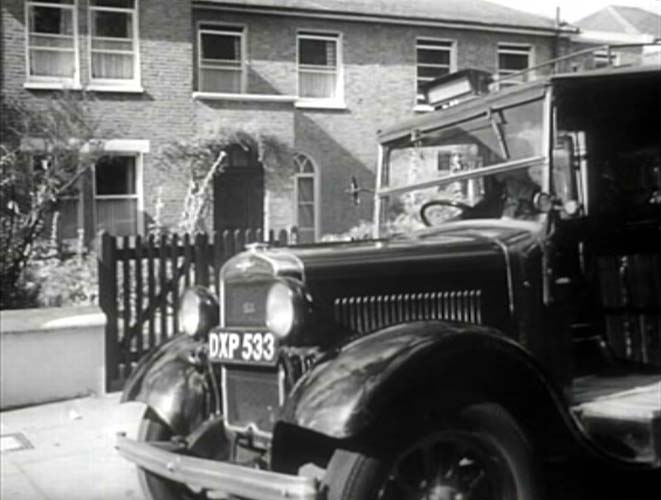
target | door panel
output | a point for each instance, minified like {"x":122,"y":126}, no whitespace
{"x":239,"y":194}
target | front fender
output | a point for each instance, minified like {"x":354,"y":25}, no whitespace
{"x":342,"y":396}
{"x":171,"y":384}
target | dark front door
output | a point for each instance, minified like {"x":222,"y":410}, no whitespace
{"x":239,"y":192}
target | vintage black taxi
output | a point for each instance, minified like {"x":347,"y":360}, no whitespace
{"x":504,"y":320}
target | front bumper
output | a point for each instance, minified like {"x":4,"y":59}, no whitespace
{"x":215,"y":476}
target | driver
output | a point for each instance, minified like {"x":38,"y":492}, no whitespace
{"x":519,"y":193}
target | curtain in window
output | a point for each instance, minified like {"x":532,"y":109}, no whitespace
{"x":117,"y":216}
{"x":317,"y":84}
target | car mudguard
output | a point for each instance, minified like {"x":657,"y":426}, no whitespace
{"x":172,"y":384}
{"x":342,"y":396}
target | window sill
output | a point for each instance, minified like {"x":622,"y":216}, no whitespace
{"x":94,"y":87}
{"x":116,"y":87}
{"x":35,"y":85}
{"x":222,"y":96}
{"x":320,"y":104}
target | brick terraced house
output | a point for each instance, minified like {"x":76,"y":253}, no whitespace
{"x":322,"y":77}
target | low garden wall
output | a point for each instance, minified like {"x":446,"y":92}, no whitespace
{"x":51,"y":353}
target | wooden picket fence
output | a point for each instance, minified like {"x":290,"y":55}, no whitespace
{"x":142,"y":278}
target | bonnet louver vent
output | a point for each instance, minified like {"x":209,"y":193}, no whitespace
{"x":368,"y":313}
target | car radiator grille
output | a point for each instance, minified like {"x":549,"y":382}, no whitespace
{"x":245,"y":304}
{"x":251,"y":397}
{"x":364,"y":314}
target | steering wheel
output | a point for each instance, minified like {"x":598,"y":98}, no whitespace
{"x":441,"y":203}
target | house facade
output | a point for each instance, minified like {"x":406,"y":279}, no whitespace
{"x":322,"y":78}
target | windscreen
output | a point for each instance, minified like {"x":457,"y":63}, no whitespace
{"x":425,"y":169}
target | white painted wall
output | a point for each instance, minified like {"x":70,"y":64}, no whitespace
{"x":50,"y":354}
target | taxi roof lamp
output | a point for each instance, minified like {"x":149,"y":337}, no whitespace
{"x":456,"y":87}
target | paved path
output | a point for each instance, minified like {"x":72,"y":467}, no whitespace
{"x":72,"y":455}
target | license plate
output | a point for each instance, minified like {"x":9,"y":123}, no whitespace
{"x":243,"y":347}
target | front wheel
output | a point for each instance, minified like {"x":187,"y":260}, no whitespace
{"x":480,"y":454}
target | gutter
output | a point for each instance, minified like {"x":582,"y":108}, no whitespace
{"x":385,"y":19}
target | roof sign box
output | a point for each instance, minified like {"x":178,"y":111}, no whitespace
{"x":454,"y":88}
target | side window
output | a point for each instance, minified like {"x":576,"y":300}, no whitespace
{"x":113,"y":42}
{"x":434,"y":58}
{"x":51,"y":33}
{"x":319,"y":65}
{"x":306,"y":199}
{"x":513,"y":58}
{"x":221,"y":59}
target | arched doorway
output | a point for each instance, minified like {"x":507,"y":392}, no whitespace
{"x":238,"y":192}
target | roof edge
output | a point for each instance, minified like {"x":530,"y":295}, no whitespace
{"x":562,"y":30}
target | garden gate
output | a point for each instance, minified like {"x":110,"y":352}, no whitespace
{"x":142,"y":278}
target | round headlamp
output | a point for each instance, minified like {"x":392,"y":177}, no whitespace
{"x":198,"y":311}
{"x":284,"y":308}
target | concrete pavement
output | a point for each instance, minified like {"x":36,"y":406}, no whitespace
{"x":71,"y":454}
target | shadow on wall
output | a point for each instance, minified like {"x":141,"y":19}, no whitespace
{"x":257,"y":84}
{"x":336,"y":166}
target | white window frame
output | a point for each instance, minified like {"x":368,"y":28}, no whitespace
{"x":451,"y":47}
{"x":315,"y":191}
{"x":116,"y":84}
{"x":336,"y":102}
{"x":57,"y":82}
{"x":239,"y":30}
{"x":138,"y":195}
{"x":515,"y":49}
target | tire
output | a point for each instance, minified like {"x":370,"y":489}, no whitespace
{"x":481,"y":452}
{"x":155,"y":487}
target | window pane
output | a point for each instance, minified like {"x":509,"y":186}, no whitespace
{"x":113,"y":66}
{"x":220,"y":80}
{"x":119,"y":217}
{"x":513,"y":61}
{"x":305,"y":189}
{"x":306,"y":216}
{"x":426,"y":72}
{"x":224,"y":47}
{"x":52,"y":63}
{"x":116,"y":44}
{"x":431,"y":56}
{"x":115,"y":175}
{"x":318,"y":85}
{"x":112,"y":24}
{"x":317,"y":52}
{"x":68,"y":219}
{"x":305,"y":235}
{"x":125,"y":4}
{"x":52,"y":20}
{"x":42,"y":41}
